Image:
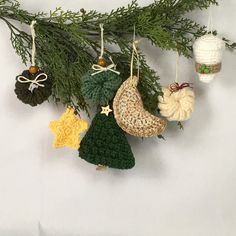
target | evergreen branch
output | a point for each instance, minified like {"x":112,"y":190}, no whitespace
{"x":68,"y":42}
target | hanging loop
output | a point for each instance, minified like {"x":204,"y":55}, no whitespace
{"x":98,"y":68}
{"x":210,"y":21}
{"x":134,"y":53}
{"x":33,"y":34}
{"x":177,"y":67}
{"x":102,"y":40}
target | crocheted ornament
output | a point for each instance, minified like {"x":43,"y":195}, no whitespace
{"x":208,"y":51}
{"x":106,"y":145}
{"x":130,"y":113}
{"x":33,"y":88}
{"x":100,"y":88}
{"x":177,"y":103}
{"x":68,"y":129}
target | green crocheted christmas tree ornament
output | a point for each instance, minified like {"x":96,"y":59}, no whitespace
{"x":105,"y":144}
{"x":100,"y":88}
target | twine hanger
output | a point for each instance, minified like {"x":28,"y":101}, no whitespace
{"x":99,"y":69}
{"x":37,"y":82}
{"x":102,"y":40}
{"x":134,"y":53}
{"x":210,"y":21}
{"x":33,"y":34}
{"x":177,"y":66}
{"x":174,"y":87}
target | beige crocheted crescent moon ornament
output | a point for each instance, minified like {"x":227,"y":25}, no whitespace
{"x":130,"y":114}
{"x":177,"y":102}
{"x":128,"y":107}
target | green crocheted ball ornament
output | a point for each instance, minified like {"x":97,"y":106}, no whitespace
{"x":101,"y":87}
{"x":106,"y":144}
{"x":33,"y":89}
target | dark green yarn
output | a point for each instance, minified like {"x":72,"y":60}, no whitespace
{"x":106,"y":144}
{"x":100,"y":88}
{"x":38,"y":95}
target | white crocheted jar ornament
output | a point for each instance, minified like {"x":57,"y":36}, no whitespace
{"x":208,"y":51}
{"x":177,"y":102}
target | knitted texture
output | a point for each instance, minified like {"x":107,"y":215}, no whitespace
{"x":106,"y":144}
{"x":208,"y":50}
{"x":100,"y":88}
{"x":38,"y":95}
{"x":176,"y":106}
{"x":130,"y":113}
{"x":67,"y":130}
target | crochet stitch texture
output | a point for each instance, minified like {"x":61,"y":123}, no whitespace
{"x":67,"y":130}
{"x":177,"y":106}
{"x":106,"y":144}
{"x":100,"y":88}
{"x":38,"y":95}
{"x":130,"y":113}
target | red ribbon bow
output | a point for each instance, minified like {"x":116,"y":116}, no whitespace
{"x":176,"y":86}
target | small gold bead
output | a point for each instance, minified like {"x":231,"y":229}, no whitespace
{"x":33,"y":69}
{"x":102,"y":62}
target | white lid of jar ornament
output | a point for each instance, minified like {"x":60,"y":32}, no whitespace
{"x":208,"y":51}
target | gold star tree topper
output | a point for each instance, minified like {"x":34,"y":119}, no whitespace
{"x":106,"y":110}
{"x":67,"y":130}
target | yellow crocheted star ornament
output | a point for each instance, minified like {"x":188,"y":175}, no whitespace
{"x":67,"y":130}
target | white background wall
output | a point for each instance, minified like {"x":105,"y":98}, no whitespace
{"x":184,"y":186}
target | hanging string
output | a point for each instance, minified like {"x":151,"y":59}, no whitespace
{"x":177,"y":67}
{"x":134,"y":53}
{"x":33,"y":42}
{"x":41,"y":77}
{"x":99,"y":69}
{"x":174,"y":87}
{"x":210,"y":21}
{"x":102,"y":40}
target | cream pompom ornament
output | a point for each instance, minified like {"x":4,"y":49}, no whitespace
{"x":177,"y":102}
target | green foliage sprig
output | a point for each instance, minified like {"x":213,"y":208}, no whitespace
{"x":68,"y":42}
